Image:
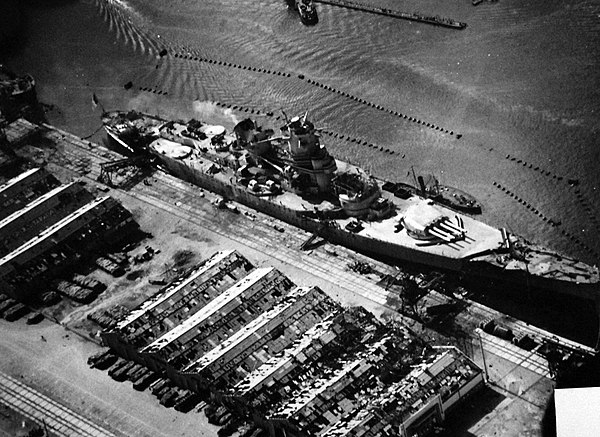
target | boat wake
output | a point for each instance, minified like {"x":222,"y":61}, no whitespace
{"x":128,"y":26}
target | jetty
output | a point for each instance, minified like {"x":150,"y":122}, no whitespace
{"x":414,"y":16}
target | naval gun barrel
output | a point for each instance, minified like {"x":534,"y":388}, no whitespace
{"x":451,"y":229}
{"x":451,"y":225}
{"x":440,"y":234}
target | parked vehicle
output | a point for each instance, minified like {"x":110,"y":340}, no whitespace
{"x":35,"y":318}
{"x":120,"y":363}
{"x":6,"y":305}
{"x":15,"y":312}
{"x":50,"y":298}
{"x":91,"y":283}
{"x":110,"y":266}
{"x":144,"y":381}
{"x":187,"y":402}
{"x":105,"y":362}
{"x":75,"y":292}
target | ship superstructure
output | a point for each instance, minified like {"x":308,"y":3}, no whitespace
{"x":290,"y":175}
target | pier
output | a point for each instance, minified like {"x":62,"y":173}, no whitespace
{"x":415,"y":16}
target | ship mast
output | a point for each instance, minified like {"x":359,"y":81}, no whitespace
{"x":414,"y":177}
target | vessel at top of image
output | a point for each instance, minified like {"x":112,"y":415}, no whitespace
{"x":290,"y":175}
{"x":307,"y":11}
{"x":411,"y":16}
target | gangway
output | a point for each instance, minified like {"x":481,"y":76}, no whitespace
{"x":108,"y":168}
{"x":311,"y":242}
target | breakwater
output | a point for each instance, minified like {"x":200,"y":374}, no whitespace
{"x":190,"y":55}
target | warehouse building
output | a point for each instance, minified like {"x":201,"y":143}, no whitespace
{"x":207,"y":328}
{"x":22,"y":189}
{"x":47,"y":227}
{"x":418,"y":403}
{"x":27,"y":222}
{"x":175,"y":303}
{"x":289,"y":358}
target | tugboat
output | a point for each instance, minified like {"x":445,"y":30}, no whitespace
{"x":307,"y":11}
{"x":450,"y":197}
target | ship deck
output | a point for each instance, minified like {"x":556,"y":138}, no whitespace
{"x":480,"y":238}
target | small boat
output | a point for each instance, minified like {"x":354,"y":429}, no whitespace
{"x":455,"y":199}
{"x":450,"y":197}
{"x":307,"y":11}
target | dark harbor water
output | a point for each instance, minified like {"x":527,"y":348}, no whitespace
{"x":521,"y":81}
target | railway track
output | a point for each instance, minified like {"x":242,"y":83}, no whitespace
{"x":60,"y":420}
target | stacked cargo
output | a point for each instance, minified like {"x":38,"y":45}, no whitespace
{"x":75,"y":292}
{"x":89,"y":283}
{"x":109,"y":266}
{"x":15,"y":312}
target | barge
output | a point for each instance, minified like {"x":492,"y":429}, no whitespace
{"x":414,"y":16}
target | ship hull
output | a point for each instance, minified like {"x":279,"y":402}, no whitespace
{"x":333,"y":234}
{"x":117,"y":144}
{"x":309,"y":19}
{"x":520,"y":278}
{"x":368,"y":245}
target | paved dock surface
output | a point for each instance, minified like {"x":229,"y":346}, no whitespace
{"x":60,"y":420}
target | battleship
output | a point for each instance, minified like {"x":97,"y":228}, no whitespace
{"x":291,"y":176}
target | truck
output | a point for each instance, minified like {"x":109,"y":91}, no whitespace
{"x":90,"y":283}
{"x":144,"y":381}
{"x":15,"y":312}
{"x":6,"y":305}
{"x":110,"y":266}
{"x":74,"y":291}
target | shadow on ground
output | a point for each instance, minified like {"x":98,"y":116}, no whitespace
{"x":459,"y":421}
